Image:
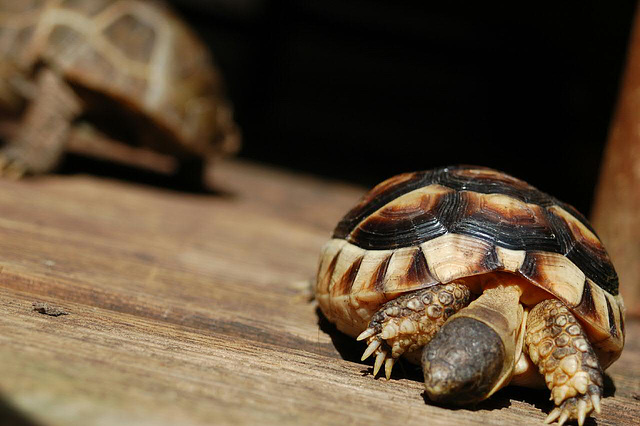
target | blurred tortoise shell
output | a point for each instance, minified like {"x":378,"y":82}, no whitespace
{"x":134,"y":60}
{"x":420,"y":229}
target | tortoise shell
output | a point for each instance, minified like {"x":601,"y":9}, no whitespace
{"x":420,"y":229}
{"x":127,"y":55}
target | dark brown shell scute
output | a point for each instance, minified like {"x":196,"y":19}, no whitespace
{"x":388,"y":231}
{"x":377,"y":282}
{"x":491,"y":261}
{"x":488,"y":181}
{"x":591,"y":258}
{"x":132,"y":37}
{"x":504,"y":230}
{"x":379,"y":196}
{"x":481,"y":203}
{"x":454,"y":177}
{"x":612,"y":321}
{"x":530,"y":267}
{"x":346,"y":282}
{"x":419,"y":269}
{"x":596,"y":266}
{"x":587,"y":306}
{"x":575,"y":213}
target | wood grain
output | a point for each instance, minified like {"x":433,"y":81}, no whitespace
{"x":617,"y":198}
{"x":194,"y":309}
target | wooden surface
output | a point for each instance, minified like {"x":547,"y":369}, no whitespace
{"x":616,"y":209}
{"x":166,"y":307}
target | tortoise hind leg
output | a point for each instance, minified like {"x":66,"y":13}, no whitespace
{"x":410,"y":321}
{"x":558,"y":346}
{"x":38,"y":145}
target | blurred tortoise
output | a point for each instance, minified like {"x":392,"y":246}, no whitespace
{"x":483,"y":279}
{"x":130,"y":68}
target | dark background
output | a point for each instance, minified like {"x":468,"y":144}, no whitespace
{"x":361,"y":90}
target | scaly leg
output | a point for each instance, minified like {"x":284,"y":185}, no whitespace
{"x":39,"y":142}
{"x":410,"y":321}
{"x":559,"y":347}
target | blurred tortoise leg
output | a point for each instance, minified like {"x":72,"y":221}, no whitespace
{"x":410,"y":321}
{"x":39,"y":142}
{"x":559,"y":347}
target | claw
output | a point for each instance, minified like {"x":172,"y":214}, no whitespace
{"x":595,"y":400}
{"x":388,"y":366}
{"x":582,"y":411}
{"x":371,"y":349}
{"x":366,"y":334}
{"x":553,"y":415}
{"x":563,"y":418}
{"x":379,"y":359}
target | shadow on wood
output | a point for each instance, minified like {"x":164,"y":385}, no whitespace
{"x":11,"y":416}
{"x":189,"y":179}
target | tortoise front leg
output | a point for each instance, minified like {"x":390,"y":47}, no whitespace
{"x":559,"y":347}
{"x":410,"y":321}
{"x":38,"y":145}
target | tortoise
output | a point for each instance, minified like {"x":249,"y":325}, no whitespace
{"x":130,"y":68}
{"x":484,"y":280}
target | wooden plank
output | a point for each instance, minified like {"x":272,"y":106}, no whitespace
{"x":617,"y":197}
{"x":193,"y":309}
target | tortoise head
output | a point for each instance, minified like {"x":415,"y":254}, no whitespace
{"x":463,"y":362}
{"x":474,"y":353}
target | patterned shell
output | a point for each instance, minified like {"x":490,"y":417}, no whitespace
{"x":136,"y":53}
{"x":419,"y":229}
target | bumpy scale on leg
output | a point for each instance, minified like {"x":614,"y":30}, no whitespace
{"x":559,"y":347}
{"x":410,"y":321}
